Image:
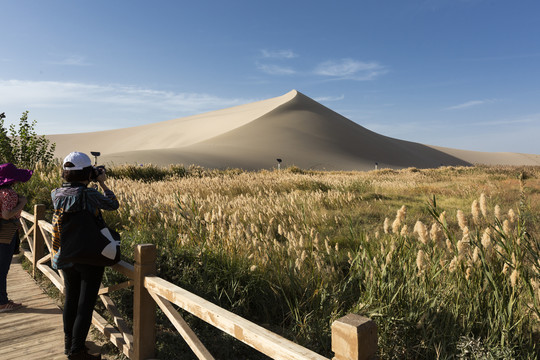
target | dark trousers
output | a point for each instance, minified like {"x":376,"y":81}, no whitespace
{"x":81,"y":284}
{"x":6,"y":255}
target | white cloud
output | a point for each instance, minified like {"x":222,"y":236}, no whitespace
{"x":275,"y":69}
{"x":329,"y":98}
{"x":278,"y":54}
{"x":470,"y":104}
{"x":78,"y":105}
{"x":349,"y":69}
{"x":73,"y":60}
{"x":533,"y":119}
{"x":66,"y":94}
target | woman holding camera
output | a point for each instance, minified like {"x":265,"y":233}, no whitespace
{"x":81,"y":281}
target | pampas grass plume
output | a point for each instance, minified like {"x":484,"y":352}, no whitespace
{"x":475,"y":211}
{"x":400,"y":217}
{"x":442,"y":217}
{"x":404,"y":231}
{"x":436,"y":234}
{"x":507,"y":228}
{"x":497,"y":212}
{"x":476,"y":255}
{"x":514,"y":277}
{"x":386,"y":226}
{"x":512,"y":216}
{"x":483,"y":205}
{"x":449,"y":245}
{"x":486,"y":239}
{"x":462,"y":222}
{"x":453,"y":264}
{"x":463,"y":248}
{"x":420,"y":229}
{"x":421,"y":262}
{"x":468,"y":273}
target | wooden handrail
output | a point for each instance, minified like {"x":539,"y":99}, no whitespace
{"x":125,"y":269}
{"x":45,"y":226}
{"x":27,"y":216}
{"x":353,"y":336}
{"x":254,"y":335}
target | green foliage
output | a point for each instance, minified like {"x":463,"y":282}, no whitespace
{"x":6,"y":150}
{"x":38,"y":189}
{"x":22,"y":146}
{"x":147,"y":172}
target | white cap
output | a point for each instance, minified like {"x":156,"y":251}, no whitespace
{"x":79,"y":159}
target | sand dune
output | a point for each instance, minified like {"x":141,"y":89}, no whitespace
{"x":292,"y":127}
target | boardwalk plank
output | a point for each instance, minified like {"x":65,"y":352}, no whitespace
{"x":35,"y":331}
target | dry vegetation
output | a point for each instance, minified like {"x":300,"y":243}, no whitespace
{"x":446,"y":261}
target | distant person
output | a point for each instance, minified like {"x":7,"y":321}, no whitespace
{"x":81,"y":281}
{"x":11,"y":205}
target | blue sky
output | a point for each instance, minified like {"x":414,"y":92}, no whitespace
{"x":456,"y":73}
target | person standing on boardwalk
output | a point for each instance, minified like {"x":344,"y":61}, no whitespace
{"x":11,"y":205}
{"x":81,"y":281}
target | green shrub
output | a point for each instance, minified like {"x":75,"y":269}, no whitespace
{"x":23,"y":147}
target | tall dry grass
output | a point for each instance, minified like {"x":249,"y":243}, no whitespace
{"x":444,"y":260}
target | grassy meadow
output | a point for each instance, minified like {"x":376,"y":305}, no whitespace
{"x":446,"y":261}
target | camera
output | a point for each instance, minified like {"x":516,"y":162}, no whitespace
{"x":96,"y":169}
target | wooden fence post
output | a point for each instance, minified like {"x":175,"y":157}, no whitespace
{"x":354,"y":337}
{"x":38,"y":243}
{"x":144,"y":307}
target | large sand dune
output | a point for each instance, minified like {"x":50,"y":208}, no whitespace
{"x":292,"y":127}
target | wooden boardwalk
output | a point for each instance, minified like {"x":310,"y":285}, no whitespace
{"x":36,"y":330}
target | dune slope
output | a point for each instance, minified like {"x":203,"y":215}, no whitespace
{"x":292,"y":127}
{"x":167,"y":134}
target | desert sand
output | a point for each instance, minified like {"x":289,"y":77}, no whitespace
{"x":292,"y":127}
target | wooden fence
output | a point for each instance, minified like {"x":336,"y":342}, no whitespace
{"x":353,"y":336}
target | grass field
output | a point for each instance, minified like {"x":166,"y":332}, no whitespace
{"x":445,"y":261}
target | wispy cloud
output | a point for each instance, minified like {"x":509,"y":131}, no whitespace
{"x":52,"y":93}
{"x":349,"y":69}
{"x":275,"y":69}
{"x":470,"y":104}
{"x":74,"y":60}
{"x":522,"y":120}
{"x":329,"y":98}
{"x":278,"y":54}
{"x":110,"y":105}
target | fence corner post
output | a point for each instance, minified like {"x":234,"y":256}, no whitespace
{"x":144,"y":307}
{"x":354,"y":337}
{"x":38,"y":242}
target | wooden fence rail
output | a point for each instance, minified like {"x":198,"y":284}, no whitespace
{"x":353,"y":336}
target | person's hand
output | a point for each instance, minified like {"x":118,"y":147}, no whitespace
{"x":102,"y":177}
{"x":101,"y":180}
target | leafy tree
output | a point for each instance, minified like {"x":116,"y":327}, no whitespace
{"x":6,"y":151}
{"x":23,"y":146}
